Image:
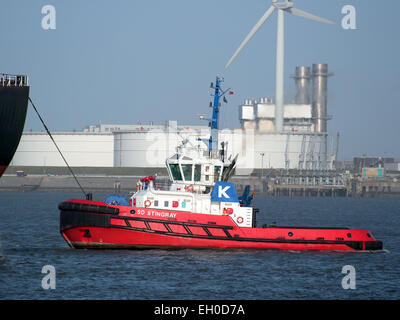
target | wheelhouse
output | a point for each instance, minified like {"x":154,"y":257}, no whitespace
{"x":185,"y":170}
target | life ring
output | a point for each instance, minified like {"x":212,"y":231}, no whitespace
{"x":147,"y":203}
{"x":239,"y":220}
{"x":189,"y":188}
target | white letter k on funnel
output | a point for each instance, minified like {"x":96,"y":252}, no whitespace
{"x":221,"y":192}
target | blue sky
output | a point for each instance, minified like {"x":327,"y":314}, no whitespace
{"x":127,"y":61}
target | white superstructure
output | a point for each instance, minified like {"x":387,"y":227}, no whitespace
{"x":193,"y":173}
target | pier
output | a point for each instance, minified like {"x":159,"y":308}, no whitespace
{"x":312,"y":184}
{"x":321,"y":184}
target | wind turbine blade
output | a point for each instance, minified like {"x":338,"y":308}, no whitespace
{"x":303,"y":14}
{"x":251,"y":33}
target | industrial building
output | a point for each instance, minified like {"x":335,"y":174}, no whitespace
{"x":371,"y":162}
{"x":301,"y":144}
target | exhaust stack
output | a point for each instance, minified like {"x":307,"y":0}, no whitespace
{"x":319,"y":96}
{"x":302,"y":80}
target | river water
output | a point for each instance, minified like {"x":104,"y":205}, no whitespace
{"x":30,"y":240}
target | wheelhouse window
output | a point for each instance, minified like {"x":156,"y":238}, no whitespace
{"x":187,"y":171}
{"x":217,"y":171}
{"x":224,"y":171}
{"x":175,"y":171}
{"x":197,"y":172}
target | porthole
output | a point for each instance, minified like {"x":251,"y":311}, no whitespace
{"x":290,"y":234}
{"x":132,"y":211}
{"x":349,"y":235}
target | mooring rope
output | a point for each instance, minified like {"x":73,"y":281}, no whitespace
{"x":87,"y":195}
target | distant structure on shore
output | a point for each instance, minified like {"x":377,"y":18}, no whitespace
{"x":302,"y":144}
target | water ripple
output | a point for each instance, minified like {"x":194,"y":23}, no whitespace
{"x":30,"y":239}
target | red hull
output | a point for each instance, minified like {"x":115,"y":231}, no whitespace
{"x":3,"y":169}
{"x":90,"y":224}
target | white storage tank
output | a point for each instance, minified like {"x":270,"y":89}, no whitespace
{"x":149,"y":149}
{"x":80,"y":149}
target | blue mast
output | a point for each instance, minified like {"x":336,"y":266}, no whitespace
{"x":218,"y":93}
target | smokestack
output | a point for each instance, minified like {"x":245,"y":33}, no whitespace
{"x":302,"y":80}
{"x":319,"y":96}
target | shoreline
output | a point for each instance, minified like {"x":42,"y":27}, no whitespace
{"x":115,"y":184}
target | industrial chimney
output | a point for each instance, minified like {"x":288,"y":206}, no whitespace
{"x":302,"y":80}
{"x":319,"y":96}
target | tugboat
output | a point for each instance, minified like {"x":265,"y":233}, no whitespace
{"x":199,"y":208}
{"x":14,"y":93}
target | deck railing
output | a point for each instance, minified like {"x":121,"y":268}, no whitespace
{"x":11,"y":80}
{"x":163,"y":185}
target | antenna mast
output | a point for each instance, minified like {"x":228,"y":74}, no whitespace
{"x":214,"y":121}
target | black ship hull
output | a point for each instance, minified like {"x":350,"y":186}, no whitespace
{"x":14,"y":94}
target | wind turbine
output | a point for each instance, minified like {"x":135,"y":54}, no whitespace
{"x":282,"y":7}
